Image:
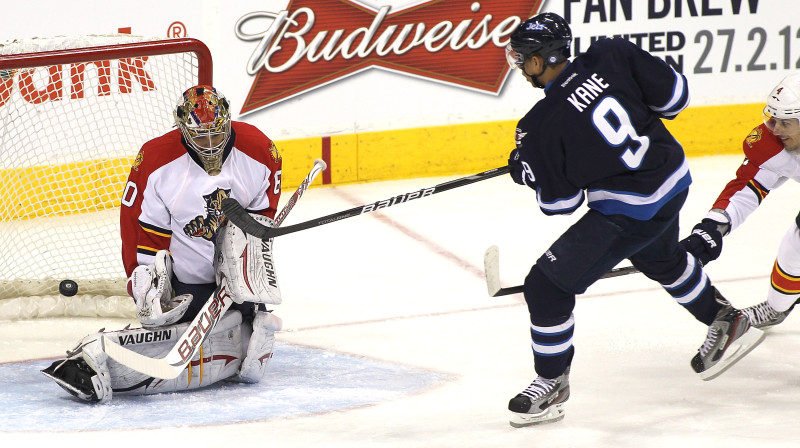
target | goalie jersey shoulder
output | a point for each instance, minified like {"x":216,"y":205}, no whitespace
{"x":158,"y":152}
{"x":255,"y":144}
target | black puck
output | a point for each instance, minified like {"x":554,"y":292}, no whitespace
{"x":68,"y":288}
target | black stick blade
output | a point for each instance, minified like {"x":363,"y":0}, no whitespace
{"x":239,"y":216}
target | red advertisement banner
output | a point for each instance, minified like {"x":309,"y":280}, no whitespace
{"x":315,"y":43}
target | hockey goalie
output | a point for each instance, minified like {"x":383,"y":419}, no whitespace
{"x":177,"y":248}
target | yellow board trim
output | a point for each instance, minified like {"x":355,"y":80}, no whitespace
{"x":58,"y":190}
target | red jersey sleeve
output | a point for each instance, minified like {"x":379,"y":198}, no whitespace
{"x":138,"y":237}
{"x":754,"y":177}
{"x":251,"y":141}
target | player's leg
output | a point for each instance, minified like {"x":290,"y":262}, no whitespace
{"x":551,"y":331}
{"x":664,"y":260}
{"x":784,"y":288}
{"x":577,"y":259}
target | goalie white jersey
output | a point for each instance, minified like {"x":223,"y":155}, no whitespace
{"x":170,"y":202}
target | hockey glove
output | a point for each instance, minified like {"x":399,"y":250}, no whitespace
{"x":705,"y":242}
{"x":516,"y":167}
{"x":151,"y":289}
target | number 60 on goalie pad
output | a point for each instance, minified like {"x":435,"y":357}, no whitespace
{"x":247,"y":263}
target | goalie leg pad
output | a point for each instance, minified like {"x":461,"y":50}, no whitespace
{"x":219,"y":358}
{"x":259,"y":347}
{"x":247,"y":262}
{"x":89,"y":374}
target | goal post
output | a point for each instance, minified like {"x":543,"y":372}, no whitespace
{"x":74,"y":112}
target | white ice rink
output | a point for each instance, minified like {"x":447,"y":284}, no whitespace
{"x":391,"y":341}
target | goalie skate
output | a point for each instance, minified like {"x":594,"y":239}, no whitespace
{"x":541,"y":402}
{"x":729,"y":338}
{"x":84,"y":373}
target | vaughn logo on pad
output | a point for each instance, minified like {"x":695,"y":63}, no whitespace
{"x":314,"y":43}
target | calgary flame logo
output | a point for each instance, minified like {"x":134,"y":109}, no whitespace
{"x":314,"y":43}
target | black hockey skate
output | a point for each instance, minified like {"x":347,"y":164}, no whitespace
{"x":541,"y":402}
{"x":729,"y":338}
{"x":83,"y":373}
{"x":76,"y":377}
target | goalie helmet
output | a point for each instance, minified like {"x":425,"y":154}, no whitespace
{"x":782,"y":112}
{"x":546,"y":34}
{"x":204,"y":118}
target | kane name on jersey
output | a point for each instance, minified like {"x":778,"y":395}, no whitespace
{"x":587,"y":92}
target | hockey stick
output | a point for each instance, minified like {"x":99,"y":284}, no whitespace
{"x":171,"y":365}
{"x":319,"y":166}
{"x":491,"y":264}
{"x":239,"y":216}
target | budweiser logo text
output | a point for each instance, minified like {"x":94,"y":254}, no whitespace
{"x":314,"y":43}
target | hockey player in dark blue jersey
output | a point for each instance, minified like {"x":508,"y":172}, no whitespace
{"x":597,"y":137}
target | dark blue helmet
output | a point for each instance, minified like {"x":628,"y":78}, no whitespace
{"x":546,"y":34}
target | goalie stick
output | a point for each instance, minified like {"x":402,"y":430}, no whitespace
{"x":239,"y":216}
{"x":171,"y":365}
{"x":491,"y":264}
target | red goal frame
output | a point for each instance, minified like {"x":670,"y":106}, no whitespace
{"x":205,"y":64}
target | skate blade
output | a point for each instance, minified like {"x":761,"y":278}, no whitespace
{"x":550,"y":415}
{"x":734,"y":353}
{"x":77,"y":393}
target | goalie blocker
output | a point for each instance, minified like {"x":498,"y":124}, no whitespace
{"x":246,"y":262}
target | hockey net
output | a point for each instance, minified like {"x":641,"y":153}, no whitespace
{"x":74,"y":112}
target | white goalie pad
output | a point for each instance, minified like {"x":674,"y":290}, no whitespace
{"x":219,"y":358}
{"x":151,"y":289}
{"x":259,"y":346}
{"x":247,"y":262}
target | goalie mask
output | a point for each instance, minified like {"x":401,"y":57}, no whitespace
{"x":782,"y":112}
{"x":204,"y":118}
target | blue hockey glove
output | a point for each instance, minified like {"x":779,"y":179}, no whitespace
{"x":705,"y":242}
{"x":516,"y":167}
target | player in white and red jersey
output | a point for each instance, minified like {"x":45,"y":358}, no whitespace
{"x":174,"y":193}
{"x":176,"y":246}
{"x":772,"y":156}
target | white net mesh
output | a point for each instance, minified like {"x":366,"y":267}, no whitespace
{"x":69,"y":132}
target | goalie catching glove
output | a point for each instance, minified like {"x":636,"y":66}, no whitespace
{"x":151,"y":289}
{"x":246,"y":261}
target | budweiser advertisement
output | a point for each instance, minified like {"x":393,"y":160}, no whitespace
{"x":312,"y":44}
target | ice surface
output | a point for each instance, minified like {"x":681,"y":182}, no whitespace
{"x":391,"y":341}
